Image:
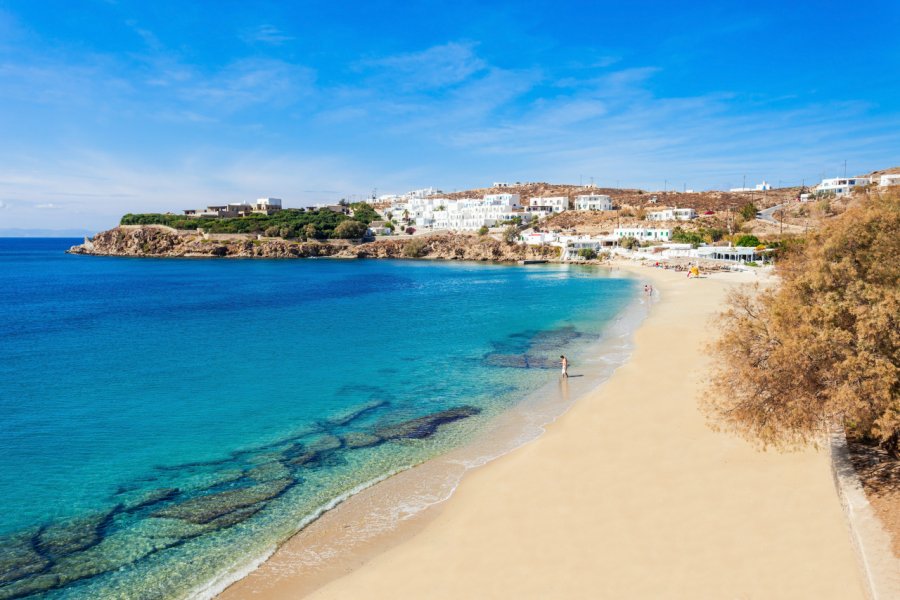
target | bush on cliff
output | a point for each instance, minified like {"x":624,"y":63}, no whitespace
{"x":821,"y":349}
{"x":415,"y":248}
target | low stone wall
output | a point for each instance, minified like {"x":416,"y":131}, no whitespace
{"x":881,"y":569}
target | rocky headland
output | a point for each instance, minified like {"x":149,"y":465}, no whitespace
{"x":160,"y":241}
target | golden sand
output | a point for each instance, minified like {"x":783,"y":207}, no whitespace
{"x":628,"y":495}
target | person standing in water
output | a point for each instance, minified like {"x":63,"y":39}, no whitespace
{"x":565,"y":365}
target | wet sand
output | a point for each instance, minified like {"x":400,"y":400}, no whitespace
{"x":627,"y":495}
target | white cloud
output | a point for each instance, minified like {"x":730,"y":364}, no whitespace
{"x":48,"y":206}
{"x":430,"y":69}
{"x":266,"y":34}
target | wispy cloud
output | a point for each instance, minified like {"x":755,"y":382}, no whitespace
{"x":266,"y":34}
{"x":430,"y":69}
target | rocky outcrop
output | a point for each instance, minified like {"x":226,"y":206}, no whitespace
{"x":158,"y":241}
{"x":450,"y":247}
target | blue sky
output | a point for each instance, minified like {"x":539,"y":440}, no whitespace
{"x":118,"y":106}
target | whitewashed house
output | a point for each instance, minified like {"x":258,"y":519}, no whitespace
{"x":553,"y":204}
{"x":890,"y":179}
{"x":841,"y":186}
{"x":672,"y":214}
{"x":593,"y":202}
{"x":472,"y":214}
{"x":643,"y":234}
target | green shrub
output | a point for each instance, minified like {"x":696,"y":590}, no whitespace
{"x":587,"y":253}
{"x":629,"y":243}
{"x":483,"y":230}
{"x":748,"y":211}
{"x":750,"y":241}
{"x":364,"y":213}
{"x":415,"y":248}
{"x":350,"y":230}
{"x":324,"y":221}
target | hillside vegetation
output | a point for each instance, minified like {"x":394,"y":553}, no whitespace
{"x":289,"y":223}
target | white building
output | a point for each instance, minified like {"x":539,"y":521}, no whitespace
{"x":535,"y":238}
{"x":553,"y":204}
{"x":512,"y":200}
{"x":891,"y":179}
{"x":237,"y":209}
{"x":643,"y":234}
{"x":759,"y":187}
{"x":672,"y":214}
{"x":593,"y":202}
{"x":471,"y":214}
{"x":841,"y":186}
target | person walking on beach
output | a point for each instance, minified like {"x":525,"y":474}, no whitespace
{"x":565,"y":365}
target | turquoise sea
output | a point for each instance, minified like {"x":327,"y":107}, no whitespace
{"x":165,"y":420}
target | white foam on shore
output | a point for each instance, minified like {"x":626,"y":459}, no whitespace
{"x":240,"y":570}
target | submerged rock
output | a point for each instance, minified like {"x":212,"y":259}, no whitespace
{"x":27,"y":587}
{"x":426,"y":426}
{"x":60,"y":539}
{"x":19,"y":558}
{"x":359,"y":439}
{"x":269,"y":472}
{"x":303,"y":458}
{"x":356,"y":412}
{"x":204,"y":509}
{"x":136,"y":502}
{"x":326,"y":443}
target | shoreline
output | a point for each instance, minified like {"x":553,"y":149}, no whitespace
{"x":498,"y":512}
{"x":417,"y":491}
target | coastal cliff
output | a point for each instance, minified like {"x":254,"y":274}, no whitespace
{"x":159,"y":241}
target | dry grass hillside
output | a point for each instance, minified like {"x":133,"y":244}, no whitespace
{"x":634,"y":198}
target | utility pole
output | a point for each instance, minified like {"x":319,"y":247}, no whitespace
{"x":744,"y":185}
{"x":845,"y":167}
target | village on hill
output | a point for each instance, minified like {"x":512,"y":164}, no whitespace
{"x":741,"y":225}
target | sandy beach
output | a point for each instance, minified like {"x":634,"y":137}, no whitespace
{"x":628,"y":495}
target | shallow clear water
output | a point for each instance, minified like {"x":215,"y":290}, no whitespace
{"x":162,"y":420}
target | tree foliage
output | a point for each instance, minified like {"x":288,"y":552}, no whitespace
{"x":748,"y":211}
{"x":823,"y":347}
{"x":350,"y":229}
{"x":629,"y":243}
{"x":747,"y":240}
{"x":364,"y":213}
{"x":292,"y":218}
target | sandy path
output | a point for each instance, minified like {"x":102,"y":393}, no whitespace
{"x":628,"y":495}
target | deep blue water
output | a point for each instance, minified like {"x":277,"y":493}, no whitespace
{"x":129,"y":387}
